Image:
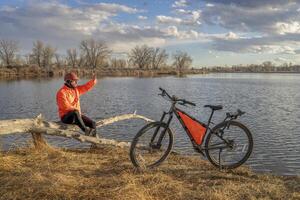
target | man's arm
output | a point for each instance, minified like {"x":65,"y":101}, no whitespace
{"x":88,"y":86}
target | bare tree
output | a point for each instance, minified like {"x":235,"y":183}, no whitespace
{"x":8,"y":50}
{"x":182,"y":60}
{"x":59,"y":60}
{"x":141,"y":56}
{"x":27,"y":58}
{"x":94,"y":52}
{"x":118,"y":63}
{"x":159,"y":58}
{"x":37,"y":52}
{"x":81,"y":61}
{"x":42,"y":55}
{"x":47,"y":55}
{"x":72,"y":57}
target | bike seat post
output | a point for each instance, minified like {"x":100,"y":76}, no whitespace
{"x":210,"y":117}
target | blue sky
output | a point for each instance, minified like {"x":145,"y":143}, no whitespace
{"x":213,"y":32}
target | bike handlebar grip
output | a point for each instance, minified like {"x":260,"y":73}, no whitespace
{"x":191,"y":103}
{"x":240,"y":112}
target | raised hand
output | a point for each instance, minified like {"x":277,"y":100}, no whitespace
{"x":94,"y":76}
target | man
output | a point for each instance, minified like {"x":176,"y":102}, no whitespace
{"x":68,"y":103}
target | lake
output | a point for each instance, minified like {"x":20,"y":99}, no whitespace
{"x":271,"y":102}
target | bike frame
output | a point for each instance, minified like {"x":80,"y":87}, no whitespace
{"x":174,"y":110}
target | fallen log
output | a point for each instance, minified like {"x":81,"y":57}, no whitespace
{"x":38,"y":126}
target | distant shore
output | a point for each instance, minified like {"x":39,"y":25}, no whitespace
{"x":36,"y":72}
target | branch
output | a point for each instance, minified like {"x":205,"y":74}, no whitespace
{"x":40,"y":126}
{"x":120,"y":118}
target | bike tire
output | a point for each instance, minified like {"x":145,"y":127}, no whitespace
{"x":139,"y":143}
{"x":243,"y":145}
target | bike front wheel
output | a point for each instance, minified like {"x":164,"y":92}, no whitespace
{"x":151,"y":146}
{"x":229,"y":145}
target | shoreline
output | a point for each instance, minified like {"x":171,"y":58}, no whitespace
{"x":15,"y":73}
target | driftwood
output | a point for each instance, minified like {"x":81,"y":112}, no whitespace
{"x":38,"y":126}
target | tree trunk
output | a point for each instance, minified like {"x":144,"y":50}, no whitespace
{"x":39,"y":126}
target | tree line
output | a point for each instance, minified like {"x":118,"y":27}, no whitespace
{"x":266,"y":66}
{"x":91,"y":54}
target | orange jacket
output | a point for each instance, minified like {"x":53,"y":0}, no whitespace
{"x":67,"y":99}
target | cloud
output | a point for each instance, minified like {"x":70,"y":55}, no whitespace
{"x":231,"y":36}
{"x":7,"y":9}
{"x":249,"y":19}
{"x":113,"y":7}
{"x":281,"y":60}
{"x":183,"y":35}
{"x":189,"y":18}
{"x":271,"y":49}
{"x":253,"y":3}
{"x":284,"y":44}
{"x":180,"y":3}
{"x":142,"y":17}
{"x":210,"y":5}
{"x":168,"y":20}
{"x":291,"y":27}
{"x":64,"y":26}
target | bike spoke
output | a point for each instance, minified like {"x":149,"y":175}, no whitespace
{"x":151,"y":147}
{"x":229,"y":149}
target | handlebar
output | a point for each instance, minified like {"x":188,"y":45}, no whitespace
{"x":236,"y":114}
{"x":175,"y":99}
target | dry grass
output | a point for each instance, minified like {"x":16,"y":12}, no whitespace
{"x":106,"y":173}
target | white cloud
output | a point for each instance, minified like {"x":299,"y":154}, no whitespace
{"x":271,"y":49}
{"x":8,"y":8}
{"x":210,"y":5}
{"x":249,"y":19}
{"x":182,"y":11}
{"x":231,"y":36}
{"x":281,"y":60}
{"x":283,"y":28}
{"x":182,"y":35}
{"x":168,"y":20}
{"x":180,"y":3}
{"x":142,"y":17}
{"x":113,"y":7}
{"x":190,"y":18}
{"x":172,"y":31}
{"x":126,"y":46}
{"x":252,"y":3}
{"x":64,"y":26}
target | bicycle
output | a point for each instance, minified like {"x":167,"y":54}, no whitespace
{"x":227,"y":145}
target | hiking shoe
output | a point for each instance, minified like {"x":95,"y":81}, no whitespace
{"x":93,"y":133}
{"x":87,"y":132}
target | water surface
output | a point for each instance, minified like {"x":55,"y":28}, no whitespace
{"x":272,"y":103}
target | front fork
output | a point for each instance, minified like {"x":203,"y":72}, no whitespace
{"x":162,"y":134}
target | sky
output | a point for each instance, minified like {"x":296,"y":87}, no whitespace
{"x":212,"y":32}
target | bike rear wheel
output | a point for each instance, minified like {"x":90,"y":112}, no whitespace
{"x":229,"y":145}
{"x":151,"y":146}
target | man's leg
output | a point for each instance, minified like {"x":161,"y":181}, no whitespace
{"x":89,"y":123}
{"x":73,"y":117}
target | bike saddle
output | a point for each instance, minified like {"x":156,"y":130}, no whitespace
{"x":213,"y":107}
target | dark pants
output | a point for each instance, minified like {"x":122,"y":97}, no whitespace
{"x":74,"y":117}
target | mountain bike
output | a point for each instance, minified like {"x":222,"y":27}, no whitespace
{"x":227,"y":145}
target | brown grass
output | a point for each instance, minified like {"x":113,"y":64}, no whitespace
{"x":106,"y":173}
